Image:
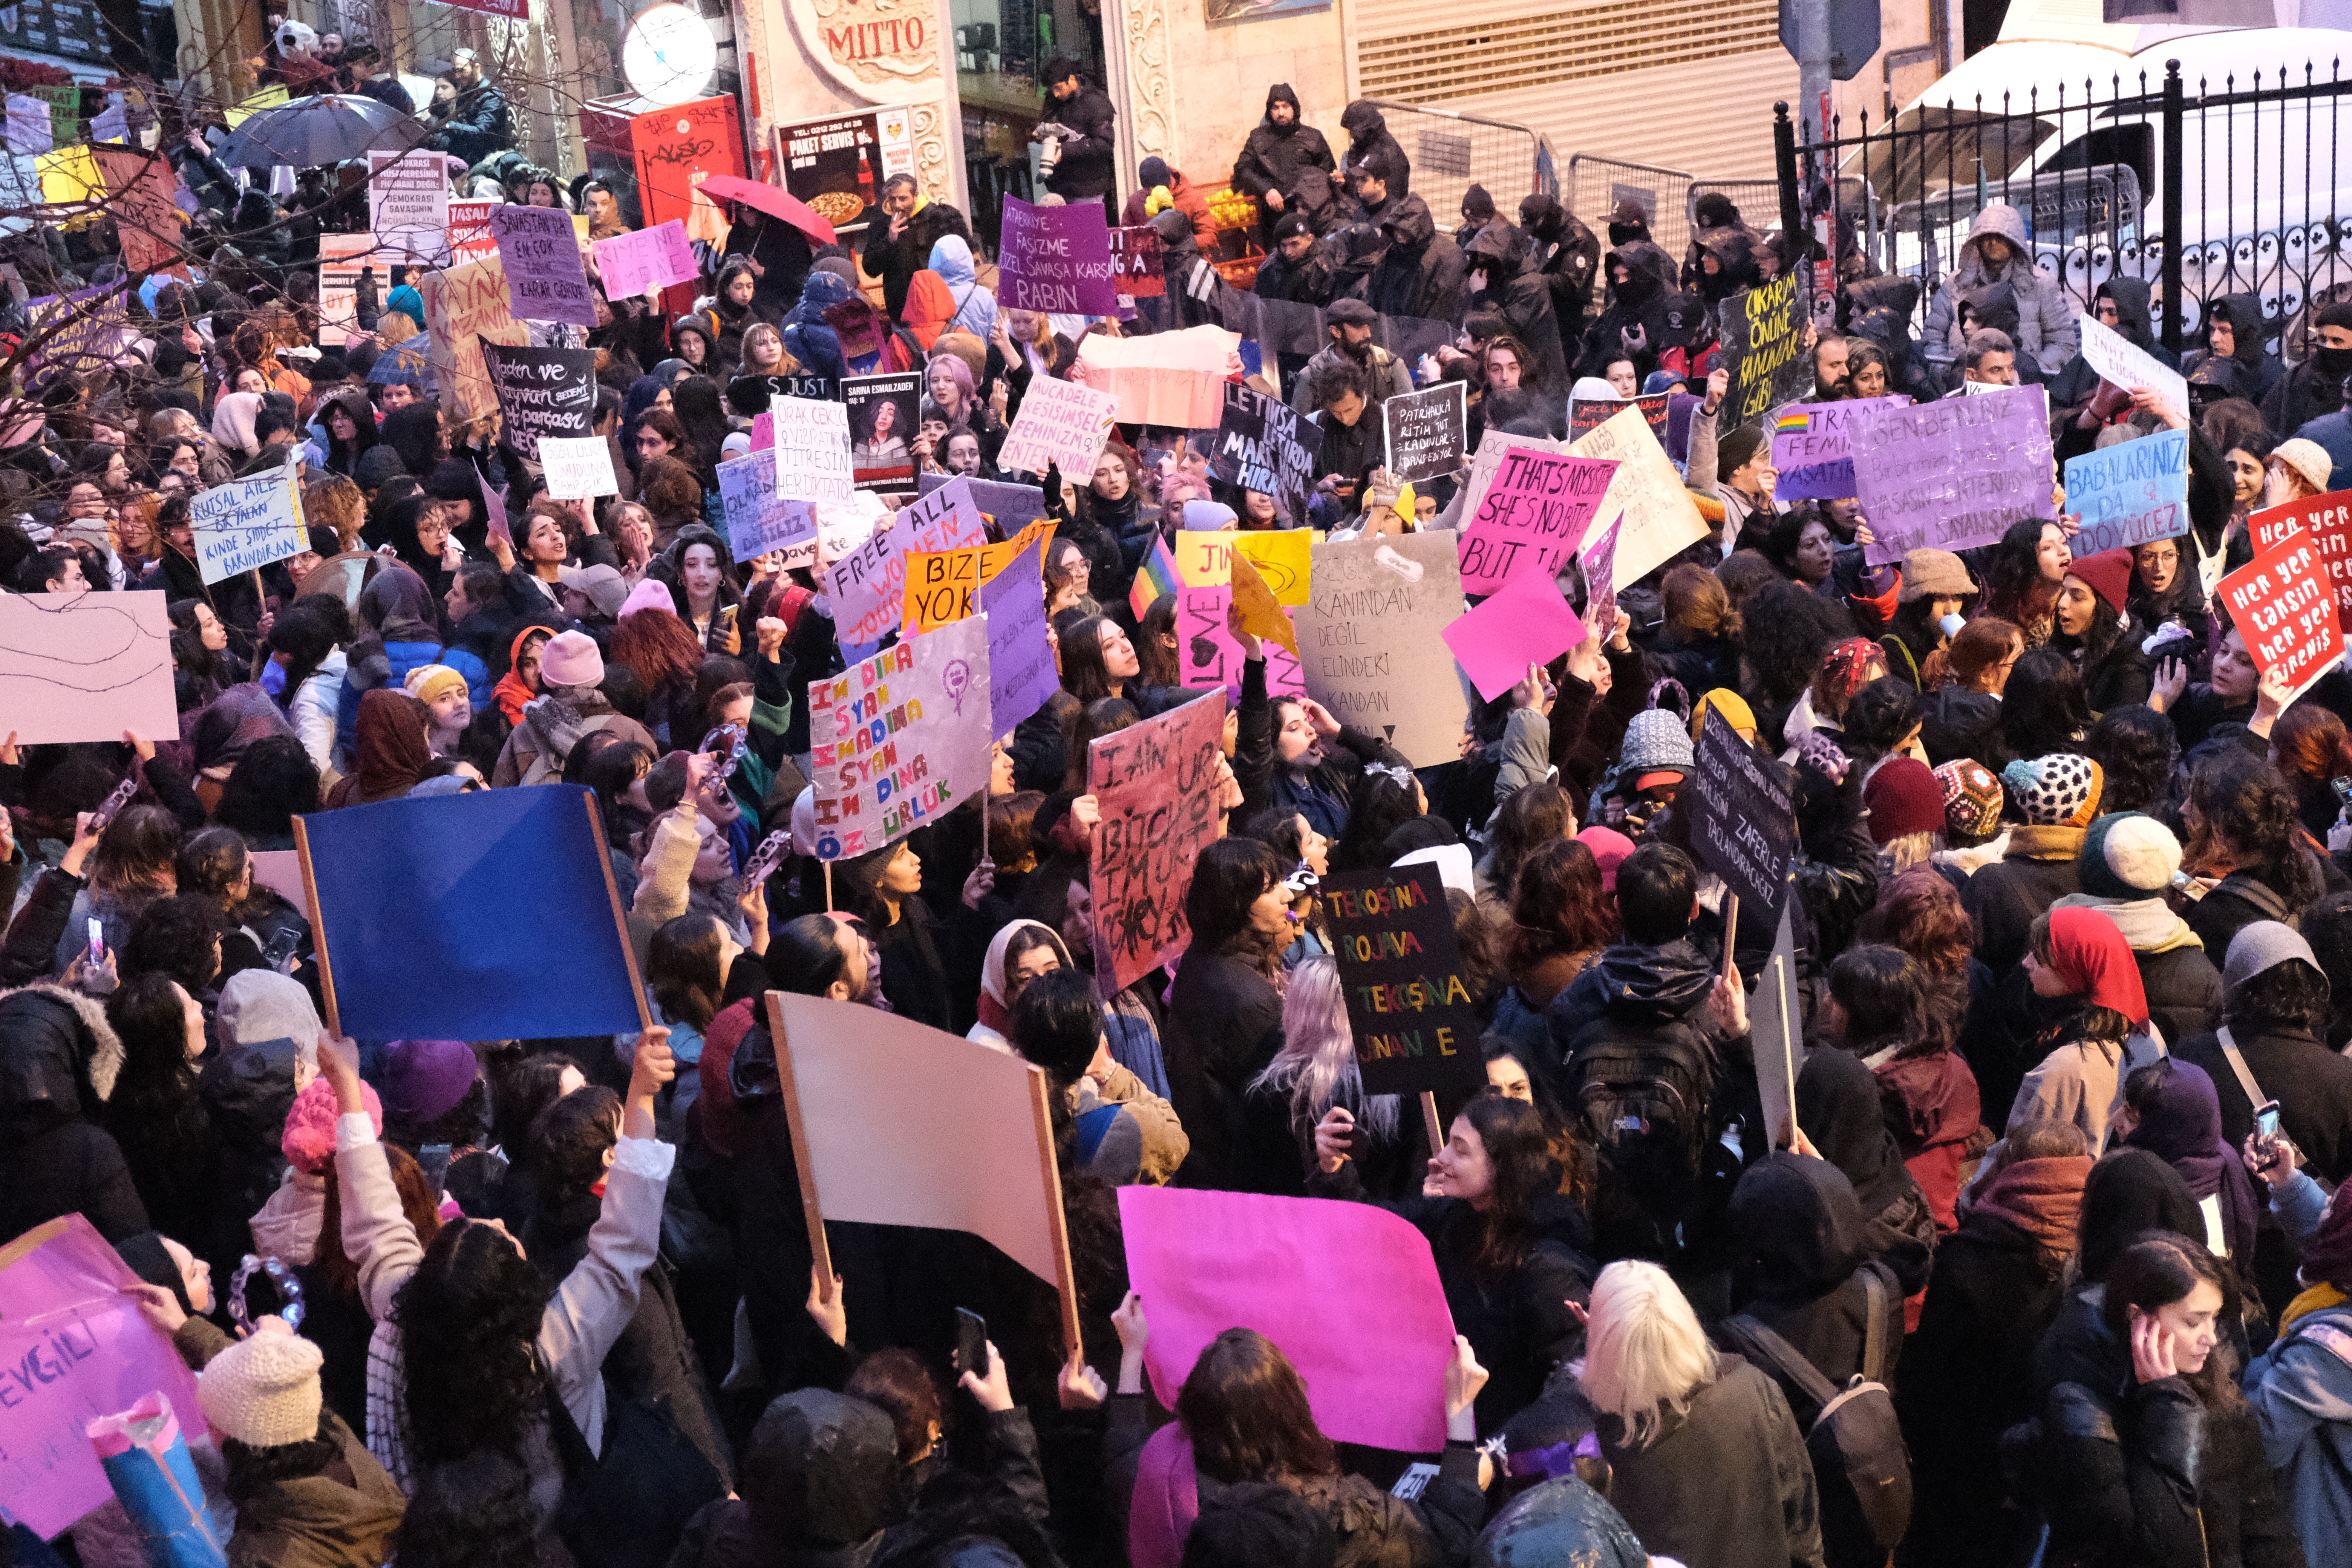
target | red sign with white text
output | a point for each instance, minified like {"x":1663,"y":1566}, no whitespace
{"x":2326,"y":522}
{"x":2283,"y":604}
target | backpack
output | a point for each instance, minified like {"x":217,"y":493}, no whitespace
{"x":1644,"y":1101}
{"x":1855,"y":1443}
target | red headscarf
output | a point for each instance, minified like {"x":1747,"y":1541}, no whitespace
{"x":392,"y":753}
{"x":511,"y":693}
{"x":2090,"y":954}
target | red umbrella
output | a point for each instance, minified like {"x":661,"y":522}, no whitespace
{"x":774,"y":202}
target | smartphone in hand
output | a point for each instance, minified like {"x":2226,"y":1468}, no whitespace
{"x":972,"y":1344}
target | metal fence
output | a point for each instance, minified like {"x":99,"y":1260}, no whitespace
{"x":1451,"y":151}
{"x":2242,"y":173}
{"x":1668,"y":196}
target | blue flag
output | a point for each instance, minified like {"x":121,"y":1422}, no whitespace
{"x":488,"y":915}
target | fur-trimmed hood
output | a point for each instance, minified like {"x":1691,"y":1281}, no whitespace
{"x":55,"y":1047}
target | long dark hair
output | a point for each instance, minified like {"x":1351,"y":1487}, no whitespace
{"x":306,"y":638}
{"x":1084,"y":676}
{"x":1533,"y":816}
{"x":154,"y":1099}
{"x":1244,"y":1407}
{"x":1230,"y":876}
{"x":2098,"y":640}
{"x":1888,"y":995}
{"x":469,"y":1320}
{"x":1520,"y":1153}
{"x":2157,"y":1269}
{"x":2015,"y":589}
{"x":1557,"y":904}
{"x":1378,"y":807}
{"x":2243,"y":803}
{"x":2043,"y":708}
{"x":682,"y":965}
{"x":1159,"y":666}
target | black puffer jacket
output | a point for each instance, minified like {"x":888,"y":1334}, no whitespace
{"x":1420,"y":274}
{"x":1639,"y":304}
{"x":1521,"y":297}
{"x":1370,"y":144}
{"x":59,"y":1059}
{"x":1275,"y":155}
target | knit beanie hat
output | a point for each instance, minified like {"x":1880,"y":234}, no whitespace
{"x":2060,"y":790}
{"x":1972,"y":798}
{"x":1654,"y":742}
{"x":652,"y":594}
{"x":1610,"y":849}
{"x":427,"y":681}
{"x":2306,"y":457}
{"x":2128,"y":855}
{"x":425,"y":1079}
{"x":264,"y":1390}
{"x":2108,"y":573}
{"x":1730,"y":704}
{"x":2265,"y":944}
{"x":1903,"y":797}
{"x":571,"y":659}
{"x":308,"y":1141}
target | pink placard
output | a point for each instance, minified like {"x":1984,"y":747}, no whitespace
{"x":1527,"y":621}
{"x":1207,"y":655}
{"x":1349,"y":1292}
{"x":1532,"y":518}
{"x":645,"y":260}
{"x":763,"y":430}
{"x":73,"y":1349}
{"x":85,"y":667}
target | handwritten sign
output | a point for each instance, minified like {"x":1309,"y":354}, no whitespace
{"x":1525,"y":621}
{"x":1207,"y":654}
{"x":2123,"y":364}
{"x":1425,"y":433}
{"x":1952,"y":474}
{"x":1164,"y":378}
{"x":1370,"y":642}
{"x":812,"y":445}
{"x":545,"y":281}
{"x":1059,"y":422}
{"x":1283,"y":557}
{"x":899,"y":738}
{"x":2130,"y":493}
{"x":2283,"y":603}
{"x":679,"y":147}
{"x":868,"y":585}
{"x":1532,"y":519}
{"x":1661,"y":519}
{"x":542,"y":392}
{"x":1586,"y":415}
{"x":1008,"y":506}
{"x":1263,"y":445}
{"x":1158,"y":784}
{"x":944,"y":585}
{"x":1410,"y":1006}
{"x":2326,"y":522}
{"x":645,"y":260}
{"x":1598,"y":562}
{"x":248,"y":523}
{"x":1763,"y":343}
{"x":85,"y":667}
{"x":1744,"y":823}
{"x":139,"y":190}
{"x":1135,"y":252}
{"x":1810,"y":449}
{"x":759,"y":520}
{"x":1056,"y":260}
{"x":463,"y":306}
{"x":1020,"y":670}
{"x":410,"y":192}
{"x":578,"y":468}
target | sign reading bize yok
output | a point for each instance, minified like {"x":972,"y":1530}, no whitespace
{"x":1744,"y":825}
{"x":1409,"y":1004}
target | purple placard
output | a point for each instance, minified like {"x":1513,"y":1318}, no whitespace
{"x":645,"y":260}
{"x":545,"y":281}
{"x":1021,"y":673}
{"x":85,"y":328}
{"x":1056,"y":259}
{"x":1598,"y":562}
{"x":1809,"y":450}
{"x":1953,"y":474}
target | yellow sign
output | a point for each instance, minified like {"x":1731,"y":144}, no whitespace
{"x":944,"y":585}
{"x":1281,"y":557}
{"x":269,"y":98}
{"x":69,"y":174}
{"x":1262,"y":614}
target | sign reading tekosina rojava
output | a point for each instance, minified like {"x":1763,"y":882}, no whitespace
{"x":1410,"y":1006}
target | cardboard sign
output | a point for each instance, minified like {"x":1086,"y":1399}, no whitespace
{"x":645,"y":260}
{"x":1283,"y":558}
{"x":470,"y":236}
{"x":85,"y":667}
{"x":1586,"y":415}
{"x":1349,"y":1292}
{"x":545,"y":281}
{"x":676,"y":149}
{"x":342,"y":257}
{"x":1263,"y":445}
{"x":463,"y":306}
{"x":1158,"y":784}
{"x":2326,"y":522}
{"x":1743,"y":820}
{"x":1425,"y":434}
{"x":248,"y":523}
{"x":1764,"y":346}
{"x":578,"y":468}
{"x":29,"y":130}
{"x":408,"y":193}
{"x":2123,"y":364}
{"x":1020,"y":670}
{"x":1598,"y":562}
{"x":1207,"y":654}
{"x":899,"y":738}
{"x":1163,"y":378}
{"x":1009,"y":506}
{"x":868,"y":585}
{"x":1411,"y":1008}
{"x":1056,"y":260}
{"x":882,"y":411}
{"x":76,"y":1349}
{"x":1777,"y":1034}
{"x":1525,"y":621}
{"x":1059,"y":422}
{"x":139,"y":186}
{"x":757,"y":517}
{"x":1661,"y":519}
{"x":1372,"y":645}
{"x":473,"y":886}
{"x":80,"y":331}
{"x":1532,"y":518}
{"x":542,"y":392}
{"x":1810,"y":451}
{"x":839,"y":165}
{"x":812,"y":445}
{"x":944,"y":585}
{"x":2131,"y":493}
{"x":1954,"y":473}
{"x":2283,"y":603}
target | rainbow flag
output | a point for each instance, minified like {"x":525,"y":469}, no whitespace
{"x":1792,"y":424}
{"x":1155,"y":576}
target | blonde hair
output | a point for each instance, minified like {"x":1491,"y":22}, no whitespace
{"x":1645,"y":1356}
{"x":396,"y":327}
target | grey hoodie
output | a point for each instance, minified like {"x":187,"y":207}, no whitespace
{"x":2046,"y":327}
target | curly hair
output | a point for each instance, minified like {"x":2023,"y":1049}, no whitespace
{"x":2247,"y":821}
{"x":668,"y":489}
{"x":659,"y":648}
{"x":2043,"y":709}
{"x":1380,"y":807}
{"x":1557,"y":904}
{"x":469,"y":1320}
{"x":2134,"y":748}
{"x":1788,"y":630}
{"x":1885,"y":995}
{"x":1920,"y":912}
{"x":1244,"y":1407}
{"x":478,"y":1513}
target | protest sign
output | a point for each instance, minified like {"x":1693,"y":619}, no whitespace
{"x":1598,"y":562}
{"x":578,"y":468}
{"x":839,"y":165}
{"x":1954,"y":473}
{"x":342,"y":258}
{"x":542,"y":392}
{"x":1158,"y":784}
{"x":1349,"y":1292}
{"x":812,"y":444}
{"x":899,"y":738}
{"x":463,"y":306}
{"x":1425,"y":434}
{"x":1370,"y":645}
{"x":1056,"y":260}
{"x":1409,"y":1006}
{"x":1011,"y":505}
{"x":139,"y":186}
{"x":1777,"y":1034}
{"x":410,"y":192}
{"x":2130,"y":493}
{"x":758,"y":519}
{"x":248,"y":523}
{"x":1524,"y":622}
{"x":2283,"y":603}
{"x":963,"y":1141}
{"x":1531,"y":518}
{"x":470,"y":236}
{"x":676,"y":149}
{"x":1263,"y":615}
{"x":1059,"y":422}
{"x":1207,"y":653}
{"x":545,"y":281}
{"x":944,"y":585}
{"x":645,"y":260}
{"x":1265,"y":445}
{"x":2126,"y":365}
{"x":1135,"y":266}
{"x":1810,"y":449}
{"x":1743,"y":820}
{"x":882,"y":413}
{"x":1586,"y":415}
{"x":475,"y":890}
{"x":1764,"y":347}
{"x":1161,"y":378}
{"x":76,"y":1349}
{"x":1661,"y":519}
{"x":2274,"y":525}
{"x":80,"y":331}
{"x":85,"y":667}
{"x":2326,"y":522}
{"x":29,"y":130}
{"x":869,"y":584}
{"x":1283,"y":556}
{"x":1020,"y":670}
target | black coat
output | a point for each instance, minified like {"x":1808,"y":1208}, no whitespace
{"x":2184,"y":993}
{"x":1275,"y":156}
{"x":2004,"y":897}
{"x":1961,"y":723}
{"x":1728,"y":1484}
{"x":2312,"y":1084}
{"x":480,"y":124}
{"x":896,"y":261}
{"x":2121,"y":677}
{"x":1224,"y":1023}
{"x":57,"y":1062}
{"x":1084,"y":168}
{"x":2241,"y":900}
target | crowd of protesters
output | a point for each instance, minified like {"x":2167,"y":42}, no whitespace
{"x":2069,"y":908}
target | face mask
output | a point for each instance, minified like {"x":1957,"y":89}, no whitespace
{"x":2333,"y":362}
